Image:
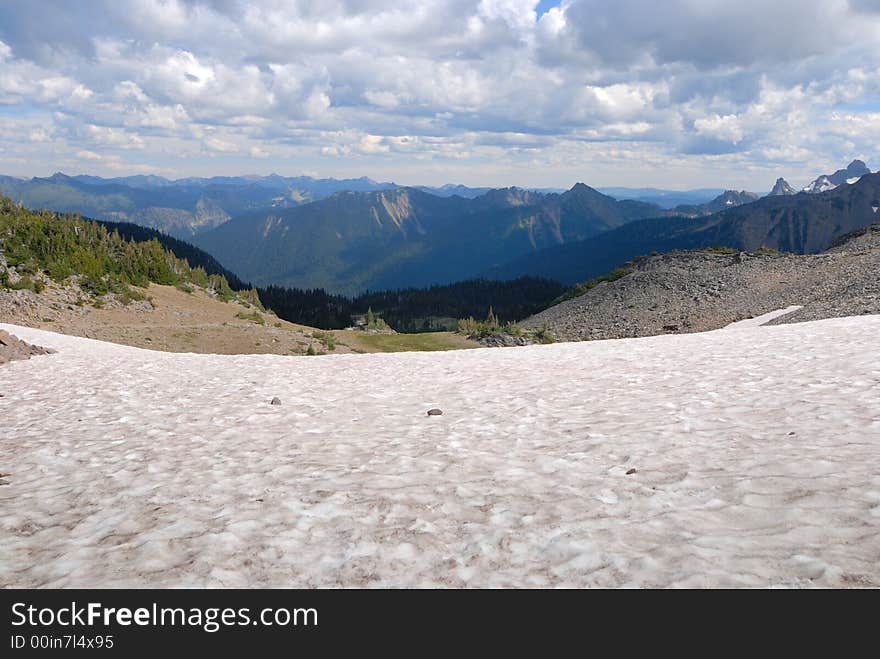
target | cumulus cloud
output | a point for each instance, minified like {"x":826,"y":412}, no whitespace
{"x":726,"y":128}
{"x":485,"y":91}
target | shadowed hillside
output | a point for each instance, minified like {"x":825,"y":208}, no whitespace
{"x":352,"y":242}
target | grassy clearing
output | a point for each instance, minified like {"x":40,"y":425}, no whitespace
{"x":414,"y":342}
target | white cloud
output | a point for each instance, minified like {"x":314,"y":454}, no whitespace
{"x":114,"y":137}
{"x":727,"y":128}
{"x":471,"y":88}
{"x":219,"y":145}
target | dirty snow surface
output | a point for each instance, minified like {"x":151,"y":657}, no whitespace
{"x":757,"y":458}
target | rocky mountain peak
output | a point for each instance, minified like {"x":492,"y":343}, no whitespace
{"x":857,"y":168}
{"x":821,"y":184}
{"x":781,"y":188}
{"x":733,"y":198}
{"x":853,"y":172}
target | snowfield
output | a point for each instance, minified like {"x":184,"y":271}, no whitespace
{"x":756,"y":450}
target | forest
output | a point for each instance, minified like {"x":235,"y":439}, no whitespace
{"x":416,"y":309}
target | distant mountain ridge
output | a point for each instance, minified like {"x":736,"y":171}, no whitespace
{"x":271,"y":181}
{"x":183,"y":207}
{"x":450,"y":190}
{"x":852,"y":173}
{"x":698,"y":202}
{"x":352,"y":241}
{"x":727,"y":199}
{"x":802,"y":223}
{"x":666,"y":199}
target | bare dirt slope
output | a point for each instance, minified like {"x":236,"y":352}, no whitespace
{"x":175,"y":321}
{"x":172,"y":320}
{"x":697,"y":291}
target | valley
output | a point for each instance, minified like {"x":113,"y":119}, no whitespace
{"x":354,"y":242}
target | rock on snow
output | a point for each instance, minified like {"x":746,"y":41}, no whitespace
{"x":756,"y":450}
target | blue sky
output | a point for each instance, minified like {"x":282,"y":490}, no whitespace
{"x":683,"y":94}
{"x":544,"y":6}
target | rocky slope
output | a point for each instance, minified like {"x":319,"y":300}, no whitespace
{"x":693,"y":291}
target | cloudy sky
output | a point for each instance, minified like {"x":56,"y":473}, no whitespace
{"x":679,"y":94}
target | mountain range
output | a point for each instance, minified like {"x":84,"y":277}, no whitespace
{"x":801,"y":223}
{"x":356,"y":241}
{"x":187,"y":206}
{"x":352,"y":242}
{"x":181,"y":208}
{"x":667,"y":199}
{"x":853,"y":172}
{"x":727,"y":199}
{"x":353,"y":235}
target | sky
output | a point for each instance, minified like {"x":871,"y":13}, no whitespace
{"x":680,"y":94}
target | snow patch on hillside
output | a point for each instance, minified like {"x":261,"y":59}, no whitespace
{"x":763,"y":319}
{"x":756,"y":455}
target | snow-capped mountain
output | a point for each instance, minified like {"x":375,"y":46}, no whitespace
{"x":853,"y":172}
{"x":821,"y":184}
{"x":781,"y":188}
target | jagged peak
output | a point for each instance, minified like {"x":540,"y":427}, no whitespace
{"x":735,"y":194}
{"x":581,"y":189}
{"x":858,"y":166}
{"x":782,"y":188}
